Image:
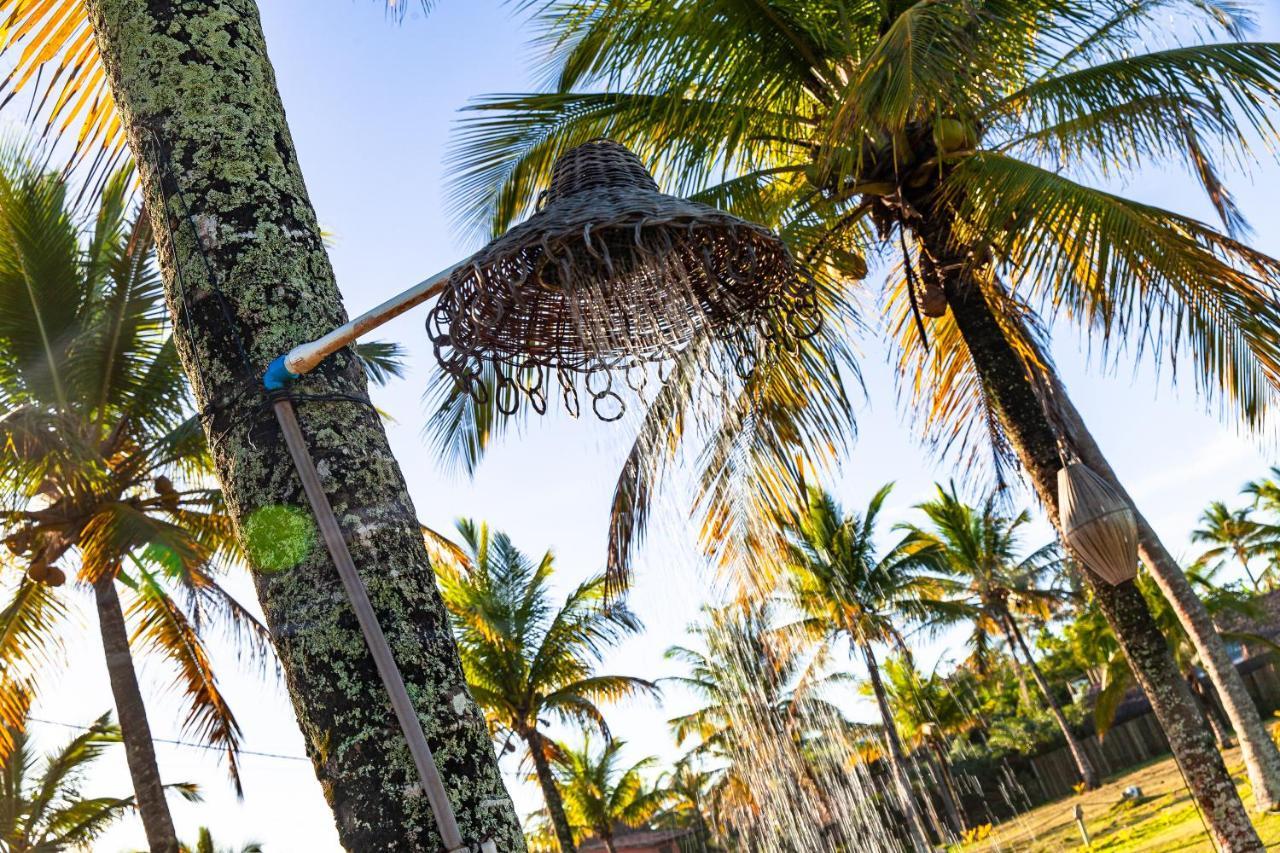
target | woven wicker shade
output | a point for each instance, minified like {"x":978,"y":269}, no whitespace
{"x":1098,"y":523}
{"x":611,"y":275}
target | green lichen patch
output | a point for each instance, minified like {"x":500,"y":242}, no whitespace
{"x":277,"y":538}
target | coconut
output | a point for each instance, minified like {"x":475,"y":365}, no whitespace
{"x":952,"y":135}
{"x":933,"y":301}
{"x":55,"y":576}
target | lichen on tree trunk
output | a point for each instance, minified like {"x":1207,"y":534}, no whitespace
{"x":247,"y":278}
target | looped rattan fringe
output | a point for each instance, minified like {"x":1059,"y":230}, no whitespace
{"x":612,"y":275}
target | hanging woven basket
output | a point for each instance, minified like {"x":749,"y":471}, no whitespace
{"x":1098,"y":524}
{"x":609,"y":276}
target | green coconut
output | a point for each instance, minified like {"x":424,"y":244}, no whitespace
{"x":951,"y":135}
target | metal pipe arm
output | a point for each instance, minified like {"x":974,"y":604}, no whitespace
{"x":303,"y":358}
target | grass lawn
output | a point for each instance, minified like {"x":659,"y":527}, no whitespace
{"x":1165,"y":819}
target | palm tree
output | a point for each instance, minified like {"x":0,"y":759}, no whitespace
{"x":600,"y":794}
{"x":103,"y":467}
{"x":205,"y":844}
{"x":242,"y":250}
{"x":762,"y":716}
{"x":948,"y":133}
{"x":746,"y":685}
{"x":927,"y":713}
{"x":43,"y":809}
{"x":1233,"y":534}
{"x":527,"y":659}
{"x":845,"y":590}
{"x":980,"y":547}
{"x":688,"y":791}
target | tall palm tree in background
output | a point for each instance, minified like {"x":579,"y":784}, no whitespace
{"x":527,"y":658}
{"x":929,"y":714}
{"x":103,"y":466}
{"x":601,"y":793}
{"x":947,"y":134}
{"x":42,"y":804}
{"x":763,"y":725}
{"x":205,"y":844}
{"x":979,"y":547}
{"x":1234,"y":535}
{"x":689,"y":800}
{"x":847,"y":591}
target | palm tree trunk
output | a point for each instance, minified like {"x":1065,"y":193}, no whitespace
{"x":950,"y":795}
{"x":1257,"y":749}
{"x":1221,"y":733}
{"x":135,"y":731}
{"x":945,"y":792}
{"x":1023,"y":416}
{"x":247,"y":278}
{"x":1242,"y":557}
{"x":941,"y":829}
{"x":550,"y":791}
{"x":701,"y":828}
{"x":1014,"y":634}
{"x":897,"y":763}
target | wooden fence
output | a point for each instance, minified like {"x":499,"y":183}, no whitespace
{"x":1136,"y":740}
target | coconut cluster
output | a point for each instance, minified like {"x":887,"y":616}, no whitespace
{"x":29,"y":543}
{"x":891,"y":169}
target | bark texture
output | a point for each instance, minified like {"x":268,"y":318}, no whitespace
{"x":135,"y":730}
{"x":1087,"y":774}
{"x":247,"y":278}
{"x":550,"y":792}
{"x":1033,"y":439}
{"x":1257,"y":749}
{"x":897,"y":762}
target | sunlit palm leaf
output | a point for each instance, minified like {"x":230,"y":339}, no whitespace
{"x":161,"y":628}
{"x":1136,"y":274}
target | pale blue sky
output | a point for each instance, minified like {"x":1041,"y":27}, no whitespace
{"x":371,"y":104}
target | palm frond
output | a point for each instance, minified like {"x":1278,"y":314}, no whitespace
{"x":1207,"y":82}
{"x":382,"y":360}
{"x":162,"y":629}
{"x":1136,"y":274}
{"x":40,"y":296}
{"x":503,"y":155}
{"x":58,"y":70}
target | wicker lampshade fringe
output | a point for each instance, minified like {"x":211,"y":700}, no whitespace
{"x":610,"y":277}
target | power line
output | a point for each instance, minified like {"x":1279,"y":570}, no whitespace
{"x":205,"y":746}
{"x":185,"y":743}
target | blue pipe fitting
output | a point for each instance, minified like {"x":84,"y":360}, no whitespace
{"x":278,"y":377}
